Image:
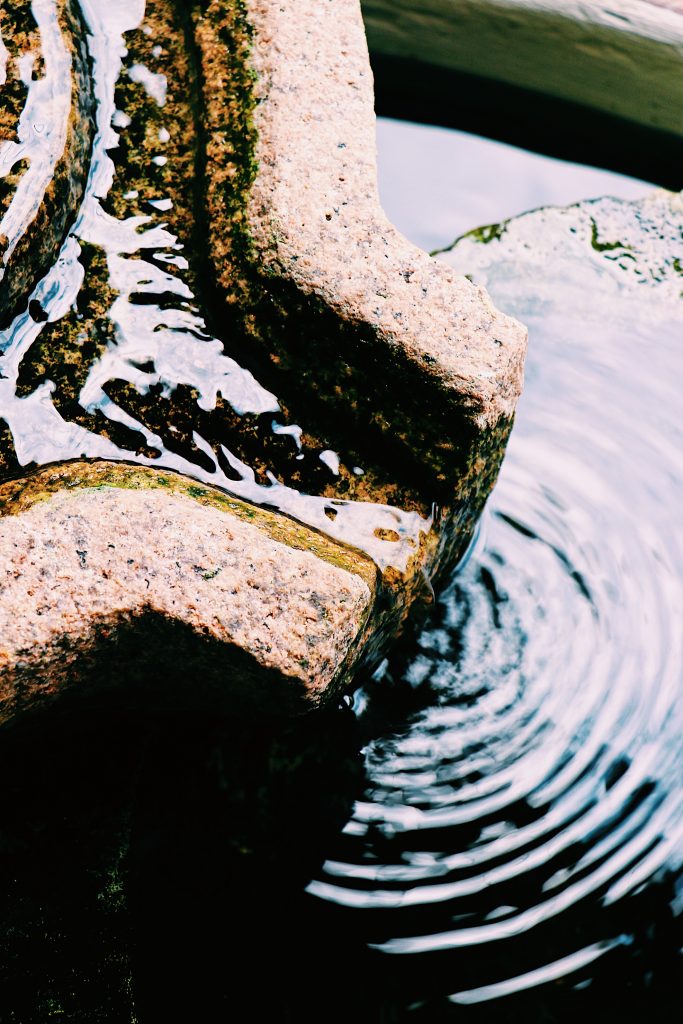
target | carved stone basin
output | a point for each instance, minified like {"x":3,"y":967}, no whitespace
{"x":245,"y":426}
{"x":190,"y":227}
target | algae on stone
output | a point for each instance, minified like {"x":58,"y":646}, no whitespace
{"x":395,"y":380}
{"x":635,"y":247}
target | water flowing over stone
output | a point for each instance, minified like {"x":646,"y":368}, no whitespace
{"x":230,"y":302}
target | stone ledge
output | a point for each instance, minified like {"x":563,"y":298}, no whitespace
{"x":88,"y":551}
{"x":395,"y":348}
{"x":323,"y":285}
{"x":625,"y":62}
{"x":631,"y":248}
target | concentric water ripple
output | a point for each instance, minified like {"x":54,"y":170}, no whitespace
{"x":523,"y":818}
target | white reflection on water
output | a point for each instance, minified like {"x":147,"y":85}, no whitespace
{"x":492,"y":181}
{"x":536,"y":792}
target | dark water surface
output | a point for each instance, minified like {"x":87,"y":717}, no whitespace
{"x":493,"y":832}
{"x":516,"y":851}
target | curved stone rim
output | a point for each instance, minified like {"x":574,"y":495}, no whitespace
{"x":622,"y":59}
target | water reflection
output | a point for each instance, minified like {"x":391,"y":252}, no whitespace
{"x":517,"y":849}
{"x":493,"y":835}
{"x":432,"y":165}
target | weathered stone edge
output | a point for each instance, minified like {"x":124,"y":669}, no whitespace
{"x":305,"y":258}
{"x":453,"y":362}
{"x":625,"y":59}
{"x":51,"y":650}
{"x":642,"y":264}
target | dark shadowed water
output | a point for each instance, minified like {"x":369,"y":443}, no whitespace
{"x":516,"y":850}
{"x":521,"y":827}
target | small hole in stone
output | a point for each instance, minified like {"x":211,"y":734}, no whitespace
{"x":331,"y":513}
{"x":382,"y":534}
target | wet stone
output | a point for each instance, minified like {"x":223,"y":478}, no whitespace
{"x":46,"y":128}
{"x":231,"y":304}
{"x":633,"y":248}
{"x":256,"y":605}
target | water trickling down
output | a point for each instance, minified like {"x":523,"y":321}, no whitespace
{"x":151,"y":340}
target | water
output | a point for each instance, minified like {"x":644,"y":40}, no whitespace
{"x":142,"y":378}
{"x":422,"y":168}
{"x":523,"y":825}
{"x":516,"y":850}
{"x":494,"y":830}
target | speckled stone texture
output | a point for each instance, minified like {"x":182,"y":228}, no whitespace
{"x":109,"y":574}
{"x":316,"y":217}
{"x":85,"y":562}
{"x":323,"y":283}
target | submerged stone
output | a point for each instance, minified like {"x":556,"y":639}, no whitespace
{"x":230,"y":248}
{"x":632,"y":250}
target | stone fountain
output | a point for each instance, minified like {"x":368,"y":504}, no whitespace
{"x":244,"y":424}
{"x":217,"y":160}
